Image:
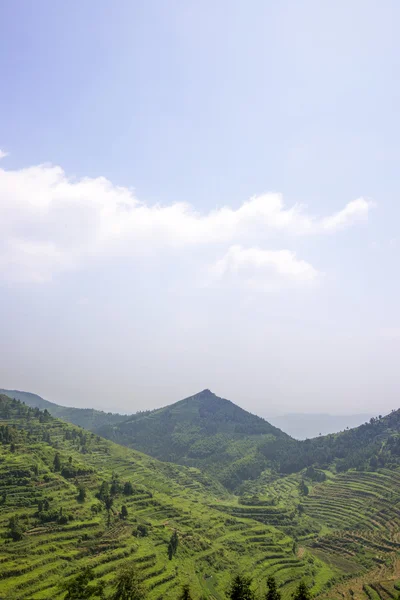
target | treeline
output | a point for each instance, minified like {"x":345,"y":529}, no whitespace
{"x":373,"y":445}
{"x":128,"y":585}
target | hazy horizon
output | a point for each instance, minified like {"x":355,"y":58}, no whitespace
{"x":266,"y":416}
{"x":201,"y":196}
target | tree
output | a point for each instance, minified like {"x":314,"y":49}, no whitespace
{"x":81,"y":493}
{"x":303,"y":488}
{"x":173,"y":545}
{"x":57,"y":462}
{"x":103,"y":491}
{"x":124,"y":512}
{"x":128,"y":488}
{"x":16,"y":531}
{"x":185,"y":594}
{"x":115,"y":487}
{"x":302,"y":592}
{"x":272,"y":593}
{"x":128,"y":585}
{"x":80,"y":588}
{"x":108,"y":503}
{"x":241,"y":589}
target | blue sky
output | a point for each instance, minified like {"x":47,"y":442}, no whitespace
{"x":201,"y":195}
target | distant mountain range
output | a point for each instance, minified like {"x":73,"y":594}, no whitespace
{"x":302,"y":426}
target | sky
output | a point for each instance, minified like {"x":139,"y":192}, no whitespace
{"x":201,"y":195}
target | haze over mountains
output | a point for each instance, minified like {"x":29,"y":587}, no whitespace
{"x":309,"y":425}
{"x":298,"y":425}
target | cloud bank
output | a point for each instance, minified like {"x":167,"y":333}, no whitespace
{"x":52,"y":223}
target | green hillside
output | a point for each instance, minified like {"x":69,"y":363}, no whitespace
{"x":204,"y":431}
{"x":337,"y":531}
{"x":88,"y":418}
{"x":60,"y":535}
{"x":369,"y":446}
{"x":231,"y":444}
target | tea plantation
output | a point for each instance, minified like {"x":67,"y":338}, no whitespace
{"x":70,"y":499}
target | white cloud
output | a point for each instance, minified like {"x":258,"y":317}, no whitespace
{"x":266,"y":268}
{"x":353,"y":211}
{"x":3,"y":154}
{"x":51,"y":223}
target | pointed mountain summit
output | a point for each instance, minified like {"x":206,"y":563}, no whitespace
{"x":203,"y":431}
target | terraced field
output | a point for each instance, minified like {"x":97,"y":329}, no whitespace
{"x":341,"y":536}
{"x":61,"y":535}
{"x":351,"y":522}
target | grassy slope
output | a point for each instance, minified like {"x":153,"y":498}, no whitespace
{"x":213,"y":543}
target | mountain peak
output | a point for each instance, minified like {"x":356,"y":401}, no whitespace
{"x":206,"y":392}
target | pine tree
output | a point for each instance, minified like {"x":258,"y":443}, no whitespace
{"x":57,"y":462}
{"x":173,"y":545}
{"x":108,"y":502}
{"x":128,"y":488}
{"x":81,"y":493}
{"x":185,"y":594}
{"x":241,"y":589}
{"x":124,"y":512}
{"x":128,"y":585}
{"x":302,"y":592}
{"x":81,"y":588}
{"x":272,"y":593}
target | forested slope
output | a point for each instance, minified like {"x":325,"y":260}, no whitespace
{"x":204,"y":431}
{"x":88,"y":418}
{"x":55,"y":520}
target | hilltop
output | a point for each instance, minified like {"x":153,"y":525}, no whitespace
{"x":339,"y":531}
{"x":204,"y":431}
{"x":88,"y":418}
{"x":231,"y":444}
{"x":54,"y":520}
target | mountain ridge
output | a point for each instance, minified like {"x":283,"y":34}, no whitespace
{"x":337,"y":530}
{"x":88,"y":418}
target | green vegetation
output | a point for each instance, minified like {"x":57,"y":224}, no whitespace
{"x":302,"y":592}
{"x":202,"y":431}
{"x":241,"y":589}
{"x":234,"y":446}
{"x":81,"y":516}
{"x":57,"y":537}
{"x":89,"y":418}
{"x":272,"y":592}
